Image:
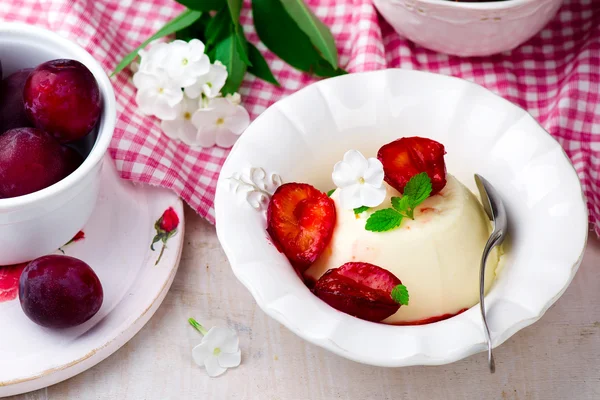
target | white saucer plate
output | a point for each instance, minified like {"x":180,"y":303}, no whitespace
{"x":302,"y":136}
{"x":117,"y":246}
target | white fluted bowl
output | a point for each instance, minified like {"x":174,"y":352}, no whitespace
{"x":303,"y":135}
{"x":468,"y":29}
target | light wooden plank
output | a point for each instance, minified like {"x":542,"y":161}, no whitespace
{"x":556,"y":358}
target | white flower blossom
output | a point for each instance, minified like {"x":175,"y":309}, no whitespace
{"x":181,"y":128}
{"x":360,"y":180}
{"x":151,"y":60}
{"x":210,"y":84}
{"x":157,"y":95}
{"x":220,"y":123}
{"x":185,"y":62}
{"x":219,"y":350}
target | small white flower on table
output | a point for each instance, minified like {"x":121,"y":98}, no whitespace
{"x":219,"y":349}
{"x":220,"y":123}
{"x":359,"y":180}
{"x":209,"y":84}
{"x":185,"y":62}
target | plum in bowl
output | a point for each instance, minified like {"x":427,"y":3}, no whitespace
{"x":39,"y":215}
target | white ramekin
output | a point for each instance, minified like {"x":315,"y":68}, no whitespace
{"x":40,"y":222}
{"x":468,"y":29}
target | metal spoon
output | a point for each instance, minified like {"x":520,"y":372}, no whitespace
{"x":494,"y":208}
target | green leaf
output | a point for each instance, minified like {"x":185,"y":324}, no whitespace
{"x":227,"y":52}
{"x":235,"y":7}
{"x":259,"y":66}
{"x":418,"y":188}
{"x":242,"y":45}
{"x":317,"y":31}
{"x":195,"y":30}
{"x":182,"y":21}
{"x":282,"y":36}
{"x":218,"y":28}
{"x":400,"y":295}
{"x":383,"y":220}
{"x":157,"y":238}
{"x":330,"y":192}
{"x":202,"y":5}
{"x":401,"y":204}
{"x":360,"y":210}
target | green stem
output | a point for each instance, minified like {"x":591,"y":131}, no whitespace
{"x":197,"y":326}
{"x":161,"y":254}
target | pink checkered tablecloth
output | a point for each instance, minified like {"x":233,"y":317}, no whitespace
{"x":555,"y":76}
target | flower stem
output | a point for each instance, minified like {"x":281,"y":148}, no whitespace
{"x":197,"y":326}
{"x":161,"y":254}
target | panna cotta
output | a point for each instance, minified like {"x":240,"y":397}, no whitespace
{"x":437,"y":254}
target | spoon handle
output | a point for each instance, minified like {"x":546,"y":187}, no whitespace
{"x":492,"y":242}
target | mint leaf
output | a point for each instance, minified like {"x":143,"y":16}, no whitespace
{"x":330,"y":192}
{"x":383,"y":220}
{"x":400,"y":295}
{"x":418,"y":188}
{"x":401,"y":204}
{"x":360,"y":209}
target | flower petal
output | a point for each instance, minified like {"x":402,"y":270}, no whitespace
{"x":224,"y":338}
{"x":188,"y":134}
{"x":200,"y":66}
{"x":374,"y":174}
{"x":201,"y":352}
{"x":343,"y":175}
{"x":357,"y":161}
{"x":238,"y":121}
{"x":145,"y":100}
{"x":172,"y":128}
{"x":205,"y":118}
{"x":193,"y":91}
{"x":196,"y":49}
{"x":206,"y":137}
{"x":350,"y":196}
{"x":213,"y":369}
{"x":226,"y":138}
{"x":230,"y":360}
{"x":144,"y":80}
{"x":371,"y":196}
{"x":163,"y":111}
{"x":223,"y":106}
{"x":173,"y":95}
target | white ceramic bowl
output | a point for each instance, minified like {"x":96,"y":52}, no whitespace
{"x":40,"y":222}
{"x":468,"y":29}
{"x":303,"y":135}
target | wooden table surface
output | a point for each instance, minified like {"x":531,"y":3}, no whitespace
{"x":556,"y":358}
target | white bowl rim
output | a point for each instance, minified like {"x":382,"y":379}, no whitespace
{"x":485,"y":5}
{"x":106,"y":124}
{"x":417,"y":358}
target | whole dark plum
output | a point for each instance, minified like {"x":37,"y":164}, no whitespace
{"x":31,"y":160}
{"x":12,"y":109}
{"x":62,"y":98}
{"x":59,"y":291}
